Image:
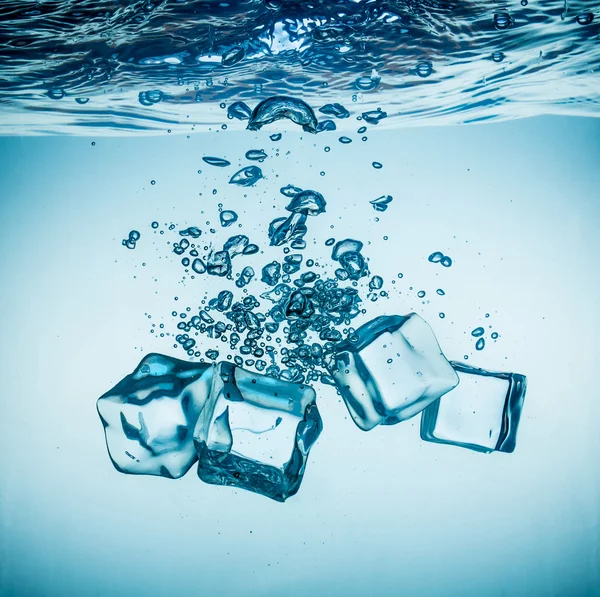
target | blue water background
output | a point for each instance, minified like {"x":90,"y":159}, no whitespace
{"x":380,"y":513}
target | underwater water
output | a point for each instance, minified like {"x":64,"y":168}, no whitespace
{"x":271,"y":261}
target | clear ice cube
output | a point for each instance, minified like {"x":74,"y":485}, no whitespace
{"x":149,"y":416}
{"x":392,"y":370}
{"x":255,"y":432}
{"x":481,"y":414}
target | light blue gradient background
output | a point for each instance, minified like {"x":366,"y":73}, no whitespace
{"x":516,"y":205}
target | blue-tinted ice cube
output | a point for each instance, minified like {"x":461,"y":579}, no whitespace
{"x":149,"y":416}
{"x":481,"y":414}
{"x":392,"y":371}
{"x":255,"y":432}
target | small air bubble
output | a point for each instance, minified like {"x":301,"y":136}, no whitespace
{"x":585,"y":18}
{"x":502,"y":20}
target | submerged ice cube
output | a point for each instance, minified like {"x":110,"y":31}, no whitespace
{"x":255,"y":432}
{"x":481,"y":414}
{"x":149,"y":416}
{"x":392,"y":371}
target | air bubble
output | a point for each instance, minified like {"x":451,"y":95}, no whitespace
{"x":219,"y":162}
{"x":585,"y":18}
{"x":424,"y":69}
{"x":502,"y":20}
{"x":247,"y":176}
{"x":56,"y":94}
{"x":256,"y":154}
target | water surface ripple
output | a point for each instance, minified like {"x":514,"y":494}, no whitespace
{"x":121,"y":65}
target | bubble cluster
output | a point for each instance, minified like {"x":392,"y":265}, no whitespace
{"x":282,"y":314}
{"x":439,"y":257}
{"x":131,"y":240}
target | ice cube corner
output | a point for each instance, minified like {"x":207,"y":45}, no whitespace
{"x":481,"y":414}
{"x":255,"y":432}
{"x":391,"y":370}
{"x":150,"y":415}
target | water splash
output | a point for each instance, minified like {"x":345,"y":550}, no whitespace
{"x":106,"y":67}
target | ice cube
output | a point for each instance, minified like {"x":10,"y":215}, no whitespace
{"x":255,"y":432}
{"x":481,"y":414}
{"x":149,"y":416}
{"x":392,"y":370}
